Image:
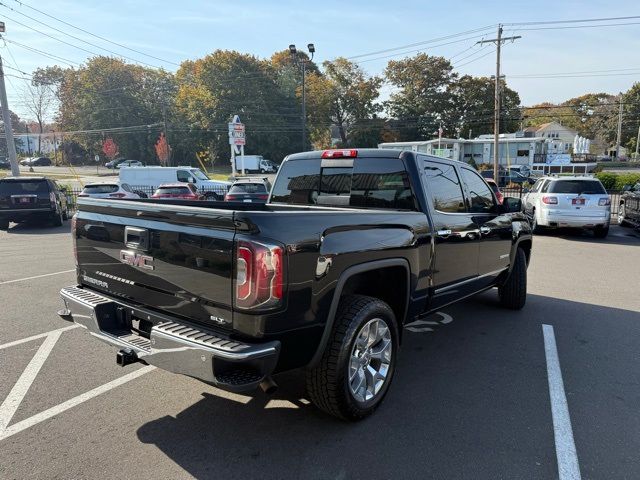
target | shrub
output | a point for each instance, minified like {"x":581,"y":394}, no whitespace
{"x":616,"y":181}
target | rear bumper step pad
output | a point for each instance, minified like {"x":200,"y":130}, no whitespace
{"x":173,"y":346}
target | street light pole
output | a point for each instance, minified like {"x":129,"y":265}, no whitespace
{"x":302,"y":63}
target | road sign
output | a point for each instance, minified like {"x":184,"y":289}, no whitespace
{"x":97,"y":157}
{"x":236,"y":132}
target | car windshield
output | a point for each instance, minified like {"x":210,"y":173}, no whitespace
{"x":198,"y":174}
{"x":577,"y":186}
{"x":248,"y":188}
{"x":23,"y":187}
{"x":106,"y":188}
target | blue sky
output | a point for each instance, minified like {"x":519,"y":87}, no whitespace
{"x":176,"y":31}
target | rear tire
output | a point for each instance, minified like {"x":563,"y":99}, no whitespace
{"x":56,"y":221}
{"x":355,"y":357}
{"x":212,"y":196}
{"x":513,"y":293}
{"x":601,"y":232}
{"x":535,"y":228}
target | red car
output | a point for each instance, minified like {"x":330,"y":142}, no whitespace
{"x":185,"y":191}
{"x":494,"y":186}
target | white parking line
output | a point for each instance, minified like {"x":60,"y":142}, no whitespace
{"x":36,"y":276}
{"x":20,"y":389}
{"x":568,"y":467}
{"x":35,"y":337}
{"x":53,"y":411}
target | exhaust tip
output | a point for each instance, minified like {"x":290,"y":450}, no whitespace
{"x":268,"y":386}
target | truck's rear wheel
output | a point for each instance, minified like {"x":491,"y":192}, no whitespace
{"x":357,"y":366}
{"x":513,"y":293}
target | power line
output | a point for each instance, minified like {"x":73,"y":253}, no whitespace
{"x":95,"y":34}
{"x":587,"y":20}
{"x":74,"y":37}
{"x":71,"y":63}
{"x":581,"y":26}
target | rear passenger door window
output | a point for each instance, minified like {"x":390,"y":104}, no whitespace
{"x":444,"y":187}
{"x":381,"y":183}
{"x":480,"y":196}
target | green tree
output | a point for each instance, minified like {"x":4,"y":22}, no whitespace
{"x":344,"y":97}
{"x":473,"y":106}
{"x":631,"y":118}
{"x":424,"y":95}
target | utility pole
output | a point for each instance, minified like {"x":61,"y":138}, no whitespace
{"x":302,"y":63}
{"x":166,"y":131}
{"x":499,"y":40}
{"x":637,"y":142}
{"x":619,"y":130}
{"x":6,"y":117}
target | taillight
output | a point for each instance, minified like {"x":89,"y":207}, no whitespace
{"x":603,"y":202}
{"x":229,"y":198}
{"x":340,"y":154}
{"x":52,"y":198}
{"x":259,"y":275}
{"x":550,"y":200}
{"x":263,"y":197}
{"x":117,"y":195}
{"x":83,"y":195}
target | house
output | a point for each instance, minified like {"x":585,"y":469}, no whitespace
{"x":555,"y":131}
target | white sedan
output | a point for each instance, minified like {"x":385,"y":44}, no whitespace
{"x":108,"y":190}
{"x":130,"y":163}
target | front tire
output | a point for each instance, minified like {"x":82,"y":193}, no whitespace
{"x":513,"y":293}
{"x":358,"y":363}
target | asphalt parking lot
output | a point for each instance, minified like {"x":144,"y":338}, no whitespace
{"x":471,"y":398}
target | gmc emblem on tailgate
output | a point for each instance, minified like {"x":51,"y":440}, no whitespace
{"x":136,"y":259}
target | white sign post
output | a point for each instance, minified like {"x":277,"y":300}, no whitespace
{"x":236,"y":139}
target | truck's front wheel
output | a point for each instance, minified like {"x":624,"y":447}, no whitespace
{"x":357,"y":366}
{"x":513,"y":293}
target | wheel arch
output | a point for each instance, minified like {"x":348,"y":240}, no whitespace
{"x":351,"y":281}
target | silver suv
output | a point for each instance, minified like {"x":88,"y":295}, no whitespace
{"x":580,"y":202}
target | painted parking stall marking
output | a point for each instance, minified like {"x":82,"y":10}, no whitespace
{"x":36,"y":276}
{"x":568,"y":467}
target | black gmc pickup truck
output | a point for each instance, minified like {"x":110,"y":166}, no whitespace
{"x":351,"y":245}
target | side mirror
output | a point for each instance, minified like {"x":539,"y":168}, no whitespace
{"x":512,"y":204}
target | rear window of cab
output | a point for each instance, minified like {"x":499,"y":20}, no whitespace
{"x":369,"y":183}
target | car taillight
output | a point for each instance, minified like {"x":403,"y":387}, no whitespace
{"x":229,"y":198}
{"x":83,"y":195}
{"x":259,"y":275}
{"x":550,"y":200}
{"x":52,"y":198}
{"x":263,"y":197}
{"x":340,"y":154}
{"x":603,"y":202}
{"x":117,"y":195}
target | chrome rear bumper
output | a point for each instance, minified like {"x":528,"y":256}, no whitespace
{"x":171,"y":345}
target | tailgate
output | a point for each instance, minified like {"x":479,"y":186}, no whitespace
{"x":170,"y":258}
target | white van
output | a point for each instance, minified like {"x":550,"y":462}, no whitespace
{"x":150,"y":178}
{"x":255,"y":164}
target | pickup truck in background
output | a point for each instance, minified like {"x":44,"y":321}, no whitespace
{"x":351,"y":245}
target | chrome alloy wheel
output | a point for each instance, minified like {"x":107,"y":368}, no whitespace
{"x":370,"y":360}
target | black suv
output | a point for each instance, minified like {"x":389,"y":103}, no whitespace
{"x":31,"y":198}
{"x":629,"y":207}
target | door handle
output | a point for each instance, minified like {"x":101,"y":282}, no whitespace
{"x":443,"y":233}
{"x":485,"y":230}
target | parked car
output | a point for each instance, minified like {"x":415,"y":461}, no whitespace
{"x":629,"y":207}
{"x":185,"y":191}
{"x":249,"y":190}
{"x":114,"y":163}
{"x":152,"y":177}
{"x":580,"y":202}
{"x":496,"y":190}
{"x":36,"y":162}
{"x":108,"y":190}
{"x":5,"y":164}
{"x":353,"y":245}
{"x":129,"y":163}
{"x":31,"y":198}
{"x":505,"y":177}
{"x":521,"y":169}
